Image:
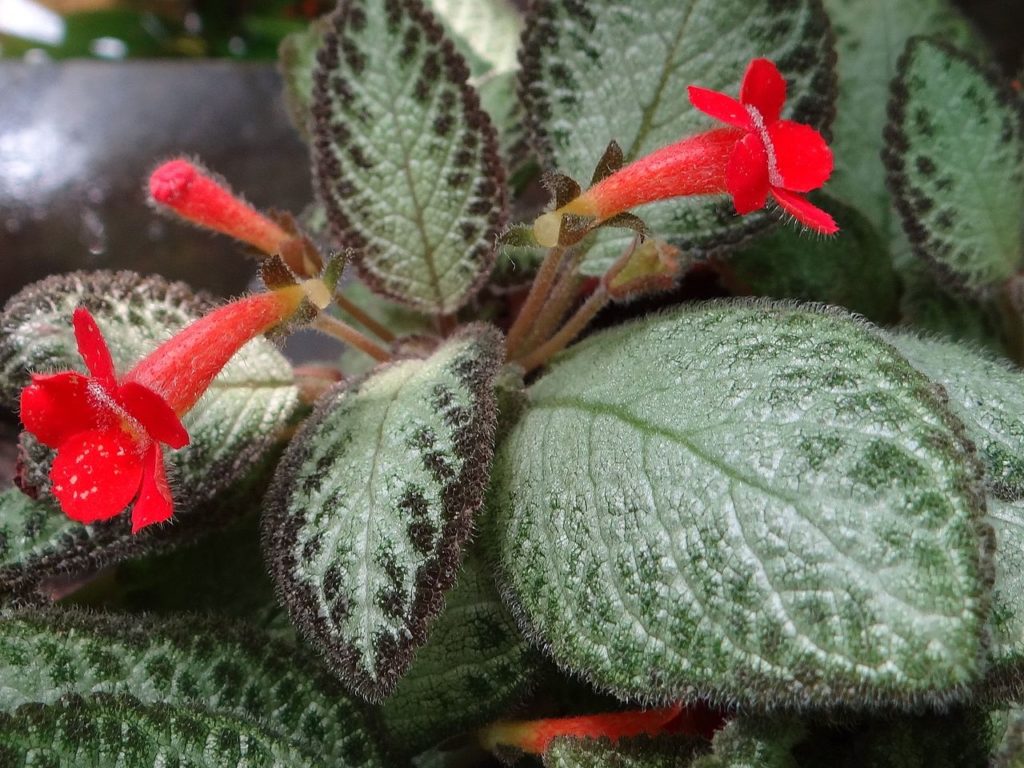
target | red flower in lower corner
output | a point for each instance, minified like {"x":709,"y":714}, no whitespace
{"x":109,"y":431}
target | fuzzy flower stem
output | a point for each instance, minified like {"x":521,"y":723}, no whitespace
{"x":539,"y":291}
{"x":362,"y":317}
{"x":553,"y":312}
{"x":573,"y":328}
{"x":339,"y":329}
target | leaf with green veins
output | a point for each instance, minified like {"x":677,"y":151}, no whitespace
{"x":611,"y":69}
{"x":752,"y":501}
{"x":233,"y":670}
{"x":754,"y":743}
{"x":371,"y":505}
{"x":955,"y":160}
{"x":232,"y":427}
{"x":870,"y":36}
{"x":665,"y":752}
{"x":787,"y":264}
{"x":102,"y":730}
{"x":474,"y":665}
{"x":406,"y":161}
{"x":297,"y":60}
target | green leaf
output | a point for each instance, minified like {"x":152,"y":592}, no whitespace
{"x":104,"y":730}
{"x":1006,"y":651}
{"x":486,"y":32}
{"x":608,"y":69}
{"x":231,"y":670}
{"x":748,"y":500}
{"x":474,"y":665}
{"x":27,"y":527}
{"x":297,"y":61}
{"x":406,"y":161}
{"x":398,"y":319}
{"x":787,"y":264}
{"x":955,"y":158}
{"x":1009,"y":753}
{"x":870,"y":35}
{"x":666,"y":752}
{"x":753,"y":743}
{"x":233,"y":425}
{"x":372,"y":503}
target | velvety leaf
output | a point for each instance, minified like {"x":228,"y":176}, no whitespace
{"x":474,"y":665}
{"x":753,"y":743}
{"x":613,"y":69}
{"x":666,"y":752}
{"x":103,"y":730}
{"x":748,"y":500}
{"x":486,"y":32}
{"x":297,"y":60}
{"x":870,"y":36}
{"x":852,"y":270}
{"x":955,"y":158}
{"x":373,"y":500}
{"x":27,"y":527}
{"x":406,"y":161}
{"x":1009,"y":752}
{"x":230,"y":670}
{"x":1007,"y":648}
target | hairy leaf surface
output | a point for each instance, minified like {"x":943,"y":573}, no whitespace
{"x":748,"y":500}
{"x":667,"y":752}
{"x":373,"y":501}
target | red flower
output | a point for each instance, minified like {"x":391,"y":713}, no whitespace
{"x":108,"y":431}
{"x":758,"y":155}
{"x":774,"y":156}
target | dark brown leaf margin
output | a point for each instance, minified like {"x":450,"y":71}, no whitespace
{"x":462,"y":499}
{"x":897,"y":144}
{"x":491,"y":193}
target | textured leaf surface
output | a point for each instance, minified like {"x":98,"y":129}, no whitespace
{"x":473,"y":666}
{"x":955,"y":160}
{"x":852,"y":270}
{"x":406,"y":160}
{"x":669,"y":752}
{"x":1007,"y":649}
{"x":227,"y":669}
{"x":373,"y":501}
{"x":870,"y":36}
{"x":1009,"y":753}
{"x":756,"y":501}
{"x":486,"y":32}
{"x":753,"y":743}
{"x":103,"y":730}
{"x":231,"y":426}
{"x":612,"y":69}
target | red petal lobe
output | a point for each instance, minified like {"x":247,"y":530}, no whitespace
{"x":804,"y":159}
{"x":153,"y":412}
{"x":96,"y":474}
{"x":747,"y":175}
{"x":721,"y":107}
{"x":808,"y":214}
{"x":93,"y":348}
{"x":764,"y":87}
{"x":155,"y":503}
{"x":57,"y":406}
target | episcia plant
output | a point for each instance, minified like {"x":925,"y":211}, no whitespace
{"x":677,"y":422}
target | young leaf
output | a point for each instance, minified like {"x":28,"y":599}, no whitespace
{"x":750,"y":501}
{"x":955,"y":158}
{"x":370,"y":507}
{"x":474,"y":665}
{"x":610,"y":69}
{"x":664,"y":752}
{"x":870,"y":35}
{"x":405,"y":159}
{"x":105,"y":730}
{"x":230,"y":670}
{"x":234,"y":424}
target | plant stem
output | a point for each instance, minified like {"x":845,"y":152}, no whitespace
{"x":364,"y":319}
{"x":554,"y":309}
{"x":332,"y":326}
{"x":594,"y":304}
{"x":539,"y":291}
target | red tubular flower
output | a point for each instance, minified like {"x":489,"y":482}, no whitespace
{"x":757,"y":156}
{"x":193,"y":194}
{"x":108,"y":430}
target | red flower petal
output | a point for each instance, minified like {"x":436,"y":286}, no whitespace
{"x":57,"y":406}
{"x":154,"y":504}
{"x":93,"y":349}
{"x":747,"y":175}
{"x":804,"y":159}
{"x":96,"y":474}
{"x":721,"y":107}
{"x":765,"y":88}
{"x":808,"y":214}
{"x":153,"y":412}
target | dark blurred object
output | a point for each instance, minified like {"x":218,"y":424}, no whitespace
{"x":1000,"y":22}
{"x":78,"y":140}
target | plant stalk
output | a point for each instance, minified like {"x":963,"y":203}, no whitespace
{"x":332,"y":326}
{"x":539,"y":290}
{"x":594,"y":304}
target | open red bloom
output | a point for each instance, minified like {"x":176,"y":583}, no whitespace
{"x":108,"y":430}
{"x":774,"y":156}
